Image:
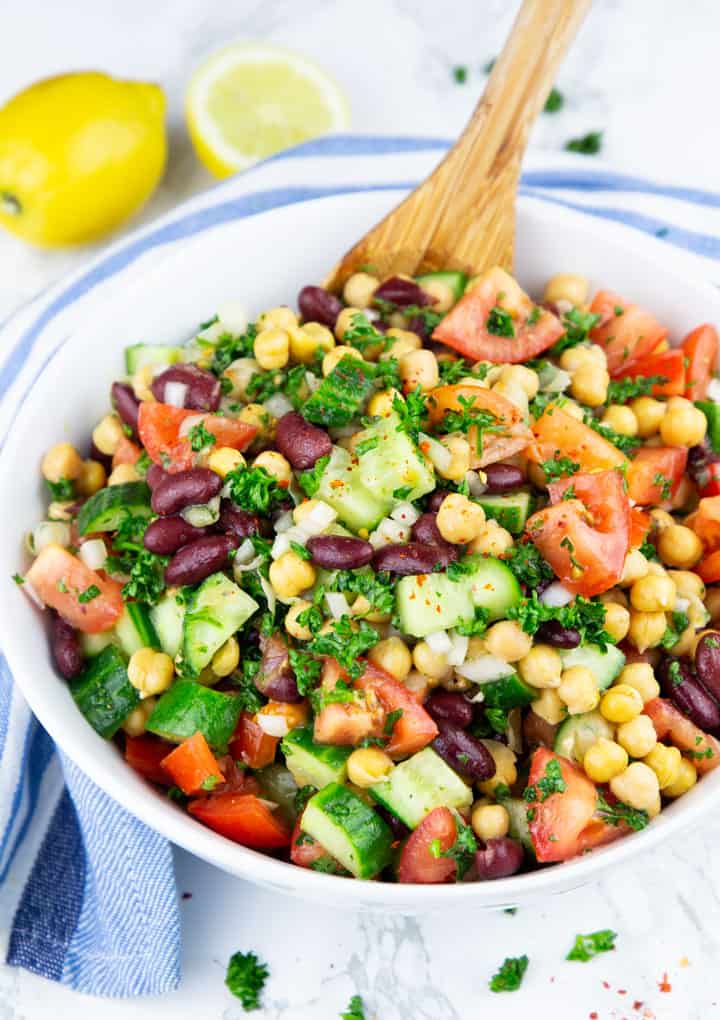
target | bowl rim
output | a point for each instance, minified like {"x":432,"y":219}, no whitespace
{"x":178,"y":827}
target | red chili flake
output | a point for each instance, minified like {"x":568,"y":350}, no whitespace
{"x":622,"y":991}
{"x":593,"y":1016}
{"x":638,"y":1004}
{"x":606,"y":984}
{"x":664,"y":985}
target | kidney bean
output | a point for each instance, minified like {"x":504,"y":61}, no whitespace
{"x":464,"y":753}
{"x":196,"y":561}
{"x":553,"y":633}
{"x":185,"y":488}
{"x":449,"y":706}
{"x":416,"y":324}
{"x":402,"y":292}
{"x":300,"y":442}
{"x":319,"y":305}
{"x":536,"y":730}
{"x":275,"y":678}
{"x":102,"y":458}
{"x":337,"y":552}
{"x":687,"y":693}
{"x":425,"y":530}
{"x":166,"y":535}
{"x":236,"y":522}
{"x":502,"y":477}
{"x":155,"y":474}
{"x":126,"y":404}
{"x":435,"y":499}
{"x":499,"y":858}
{"x":412,"y":558}
{"x":65,"y":648}
{"x":707,"y":661}
{"x":203,"y":388}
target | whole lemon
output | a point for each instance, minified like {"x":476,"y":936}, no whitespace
{"x":79,"y":154}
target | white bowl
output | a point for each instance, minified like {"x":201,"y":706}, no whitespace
{"x":263,"y":261}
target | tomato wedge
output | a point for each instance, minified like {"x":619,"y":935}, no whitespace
{"x":242,"y":817}
{"x":126,"y":453}
{"x":159,"y":430}
{"x":557,"y":434}
{"x":655,"y":473}
{"x":144,"y":754}
{"x":585,"y":539}
{"x":669,"y":364}
{"x":465,"y":327}
{"x":626,"y":331}
{"x":415,"y":728}
{"x":60,"y":579}
{"x":564,"y":824}
{"x":669,"y":722}
{"x":701,"y":349}
{"x":711,"y":485}
{"x":251,"y":744}
{"x":418,"y":862}
{"x":705,"y":522}
{"x":512,"y":433}
{"x":192,"y":766}
{"x":306,"y":851}
{"x":640,"y":524}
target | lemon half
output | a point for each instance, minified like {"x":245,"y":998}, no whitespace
{"x":248,"y":101}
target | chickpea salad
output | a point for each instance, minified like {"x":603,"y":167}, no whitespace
{"x":416,"y":585}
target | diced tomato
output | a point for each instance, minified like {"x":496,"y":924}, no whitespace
{"x":712,"y":481}
{"x":626,"y":336}
{"x":701,"y":349}
{"x":251,"y":744}
{"x":512,"y":436}
{"x":145,"y":754}
{"x":564,"y":824}
{"x":709,"y":568}
{"x":585,"y":539}
{"x":243,"y":818}
{"x":126,"y":453}
{"x":670,"y":723}
{"x":420,"y":860}
{"x":640,"y":524}
{"x":304,"y":850}
{"x":654,"y":474}
{"x":415,"y":728}
{"x":237,"y":778}
{"x":465,"y":327}
{"x":345,"y":724}
{"x":59,"y":578}
{"x":159,"y":430}
{"x":705,"y":522}
{"x":669,"y":364}
{"x":192,"y":766}
{"x":558,"y":434}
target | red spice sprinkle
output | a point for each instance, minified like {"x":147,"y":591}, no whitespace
{"x":664,"y":985}
{"x":638,"y":1004}
{"x":593,"y":1016}
{"x":622,"y":991}
{"x":606,"y":984}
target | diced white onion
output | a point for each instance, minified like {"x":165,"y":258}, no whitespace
{"x":681,"y":605}
{"x":280,"y":546}
{"x":553,"y":379}
{"x":273,"y":725}
{"x":439,"y":641}
{"x":389,"y":532}
{"x":484,"y":669}
{"x":190,"y":422}
{"x":312,"y":382}
{"x":283,"y":522}
{"x":713,"y":390}
{"x":337,"y":604}
{"x":460,"y":645}
{"x":202,"y":515}
{"x":175,"y":393}
{"x":476,"y":486}
{"x":93,"y":553}
{"x":233,"y":317}
{"x":32,"y":594}
{"x":269,"y":593}
{"x":211,"y":334}
{"x":556,"y":595}
{"x":245,"y":551}
{"x":405,"y":513}
{"x":242,"y":568}
{"x":49,"y":533}
{"x":438,"y":454}
{"x":277,"y":405}
{"x":318,"y":520}
{"x":563,"y":306}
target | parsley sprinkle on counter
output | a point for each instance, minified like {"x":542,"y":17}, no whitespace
{"x":510,"y":975}
{"x":588,"y":145}
{"x":460,"y":74}
{"x":246,"y":978}
{"x":355,"y":1009}
{"x":588,"y":946}
{"x":554,"y":102}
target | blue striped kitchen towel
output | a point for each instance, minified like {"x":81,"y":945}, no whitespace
{"x":87,"y":893}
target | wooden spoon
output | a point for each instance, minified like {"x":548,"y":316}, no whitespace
{"x":463,"y":215}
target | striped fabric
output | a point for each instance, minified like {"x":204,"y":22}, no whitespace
{"x":87,"y":893}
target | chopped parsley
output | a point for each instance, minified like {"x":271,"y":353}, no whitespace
{"x":469,"y":416}
{"x":675,"y":673}
{"x":583,"y":615}
{"x":145,"y":570}
{"x":229,"y":348}
{"x":586,"y":947}
{"x":254,"y":489}
{"x":428,"y":316}
{"x":587,"y":145}
{"x":346,"y":644}
{"x":200,"y":438}
{"x":551,"y":782}
{"x":209,"y":783}
{"x":412,"y":412}
{"x":679,"y":622}
{"x":377,"y":588}
{"x":620,"y":391}
{"x":577,"y":330}
{"x":89,"y":594}
{"x":510,"y":975}
{"x":463,"y":849}
{"x":403,"y":492}
{"x":301,"y":551}
{"x":301,"y":797}
{"x":452,"y":370}
{"x":626,"y":444}
{"x":460,"y":73}
{"x":461,"y":568}
{"x":476,"y":626}
{"x":362,"y":334}
{"x":648,"y":550}
{"x":355,"y":1010}
{"x":62,"y":491}
{"x":664,"y":484}
{"x":366,"y":445}
{"x":391,"y":719}
{"x":559,"y":468}
{"x":554,"y":102}
{"x":527,"y":564}
{"x":500,"y":323}
{"x":306,"y":668}
{"x":248,"y":695}
{"x":621,"y":814}
{"x":246,"y":978}
{"x":310,"y":480}
{"x":263,"y":385}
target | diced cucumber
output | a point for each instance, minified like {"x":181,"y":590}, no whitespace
{"x":510,"y":510}
{"x":493,"y":586}
{"x":341,"y":488}
{"x":278,"y":785}
{"x":314,"y":764}
{"x":214,"y":612}
{"x":394,"y":464}
{"x":187,"y":708}
{"x":578,"y":732}
{"x":711,"y":411}
{"x":139,"y":355}
{"x":430,"y":602}
{"x":108,"y":508}
{"x":135,"y":629}
{"x":341,"y":395}
{"x":103,"y":692}
{"x":419,"y":784}
{"x":93,"y":644}
{"x":350,"y":831}
{"x":167,"y":619}
{"x":519,"y":830}
{"x":507,"y":693}
{"x":455,"y":280}
{"x":604,"y":666}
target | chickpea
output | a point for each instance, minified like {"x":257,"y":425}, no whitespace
{"x":653,"y":594}
{"x":225,"y":459}
{"x":590,"y":384}
{"x":549,"y":707}
{"x":666,"y":763}
{"x":60,"y":462}
{"x":310,"y":507}
{"x":432,"y":664}
{"x":508,"y":641}
{"x":272,"y":348}
{"x":307,"y":340}
{"x":92,"y":478}
{"x":617,"y":621}
{"x":226,"y":658}
{"x":604,"y":760}
{"x":134,"y":724}
{"x":281,"y":317}
{"x":489,"y":821}
{"x":686,"y":779}
{"x":381,"y":404}
{"x":621,"y":704}
{"x":122,"y":474}
{"x":255,"y":414}
{"x":419,"y":368}
{"x":333,"y":358}
{"x":638,"y":786}
{"x":493,"y":540}
{"x":683,"y":424}
{"x":622,"y":419}
{"x":345,"y":321}
{"x":108,"y":434}
{"x":616,"y":597}
{"x":578,"y":690}
{"x":641,"y":677}
{"x":460,"y":457}
{"x":687,"y":583}
{"x":459,"y":520}
{"x":514,"y":393}
{"x":679,"y":546}
{"x":392,"y":655}
{"x":636,"y":566}
{"x":570,"y":287}
{"x":649,"y":413}
{"x":404,"y":341}
{"x":150,"y":672}
{"x":290,"y":574}
{"x":292,"y":626}
{"x":142,"y":381}
{"x":712,"y":603}
{"x":505,"y":766}
{"x":522,"y":376}
{"x":541,"y":667}
{"x":637,"y":736}
{"x":367,"y":766}
{"x":276,"y":466}
{"x":583,"y":356}
{"x":442,"y":294}
{"x":359,"y":289}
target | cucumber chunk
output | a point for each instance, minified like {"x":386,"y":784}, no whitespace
{"x":393,"y":464}
{"x":139,"y":355}
{"x":510,"y":510}
{"x":341,"y":395}
{"x":577,"y":733}
{"x":135,"y":629}
{"x":604,"y":666}
{"x":214,"y":612}
{"x":350,"y":831}
{"x":314,"y":764}
{"x":167,"y":619}
{"x":419,"y":784}
{"x":93,"y":644}
{"x":494,"y":587}
{"x":103,"y":692}
{"x":187,"y":708}
{"x":455,"y":280}
{"x":430,"y":602}
{"x":712,"y":413}
{"x":340,"y":487}
{"x":108,"y":508}
{"x":519,"y":829}
{"x":508,"y":692}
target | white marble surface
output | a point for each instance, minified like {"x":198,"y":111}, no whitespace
{"x":644,"y":71}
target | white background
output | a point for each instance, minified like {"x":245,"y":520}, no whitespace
{"x":645,"y":72}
